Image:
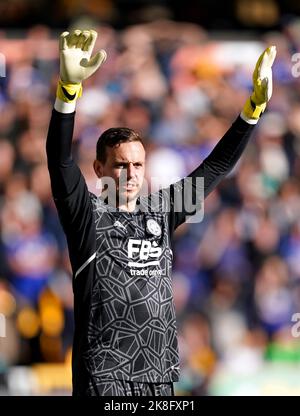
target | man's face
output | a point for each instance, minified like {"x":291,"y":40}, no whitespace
{"x":125,"y":164}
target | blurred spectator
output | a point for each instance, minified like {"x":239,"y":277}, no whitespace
{"x":30,"y":251}
{"x":197,"y":356}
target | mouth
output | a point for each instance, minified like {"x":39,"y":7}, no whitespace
{"x":129,"y":186}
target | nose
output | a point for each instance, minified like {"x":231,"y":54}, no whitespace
{"x":130,"y":171}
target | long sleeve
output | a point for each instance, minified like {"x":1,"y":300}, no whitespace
{"x":64,"y":173}
{"x":213,"y":169}
{"x":69,"y":189}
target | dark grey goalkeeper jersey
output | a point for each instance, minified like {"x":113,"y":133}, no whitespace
{"x":125,"y":324}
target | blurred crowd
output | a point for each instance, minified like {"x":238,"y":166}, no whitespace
{"x":237,"y":272}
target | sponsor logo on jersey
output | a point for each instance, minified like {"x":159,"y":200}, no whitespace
{"x":148,"y":253}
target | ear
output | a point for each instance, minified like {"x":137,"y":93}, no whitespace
{"x":98,"y":168}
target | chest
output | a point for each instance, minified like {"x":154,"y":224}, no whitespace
{"x":133,"y":240}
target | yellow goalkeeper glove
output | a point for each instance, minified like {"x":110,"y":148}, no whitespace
{"x":262,"y":85}
{"x":76,"y":63}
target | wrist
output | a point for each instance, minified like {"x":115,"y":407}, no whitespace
{"x":63,"y":107}
{"x":68,"y":92}
{"x":253,"y":111}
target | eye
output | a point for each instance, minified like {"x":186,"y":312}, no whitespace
{"x":138,"y":165}
{"x":121,"y":165}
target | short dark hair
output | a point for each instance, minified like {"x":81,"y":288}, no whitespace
{"x":115,"y":136}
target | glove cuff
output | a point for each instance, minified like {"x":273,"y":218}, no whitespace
{"x":253,"y":111}
{"x":68,"y":92}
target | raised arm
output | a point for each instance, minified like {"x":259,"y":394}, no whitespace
{"x":226,"y":153}
{"x":69,"y":189}
{"x":76,"y":64}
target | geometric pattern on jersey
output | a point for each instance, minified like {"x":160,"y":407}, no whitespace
{"x":128,"y":388}
{"x":132,"y":331}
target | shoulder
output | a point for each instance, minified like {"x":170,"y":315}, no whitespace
{"x":98,"y":204}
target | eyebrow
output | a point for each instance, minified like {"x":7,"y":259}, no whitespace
{"x":126,"y":162}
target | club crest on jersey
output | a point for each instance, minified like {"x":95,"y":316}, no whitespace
{"x":153,"y":227}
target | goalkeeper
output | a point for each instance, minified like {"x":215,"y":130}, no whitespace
{"x":125,"y":340}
